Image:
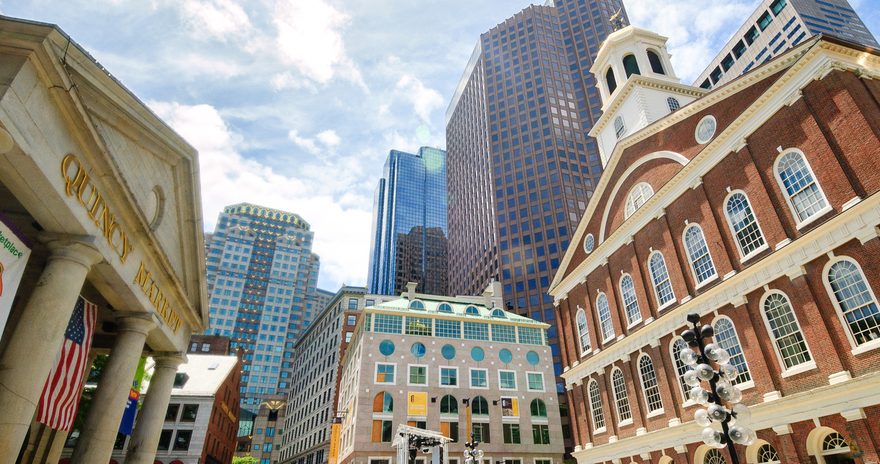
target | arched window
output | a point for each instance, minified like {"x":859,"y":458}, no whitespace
{"x":725,"y":335}
{"x":539,"y":408}
{"x":746,"y":230}
{"x":596,"y":406}
{"x":660,"y":278}
{"x":444,"y":308}
{"x":383,"y":402}
{"x":713,"y":456}
{"x":855,"y":301}
{"x":498,"y":312}
{"x":619,"y":127}
{"x":620,"y":399}
{"x":630,"y":65}
{"x":679,"y":345}
{"x":698,"y":254}
{"x":672,"y":103}
{"x":583,"y":331}
{"x":630,"y":302}
{"x":610,"y":80}
{"x":472,"y":311}
{"x":479,"y":406}
{"x":656,"y":64}
{"x":834,"y":443}
{"x":605,"y":317}
{"x":448,"y":405}
{"x":803,"y":194}
{"x":783,"y":325}
{"x":636,"y":198}
{"x":767,"y":454}
{"x":649,"y":384}
{"x":416,"y":304}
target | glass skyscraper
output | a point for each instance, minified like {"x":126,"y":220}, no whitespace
{"x":409,"y":233}
{"x":262,"y":278}
{"x":521,"y":164}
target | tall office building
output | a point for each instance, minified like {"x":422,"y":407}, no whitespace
{"x":521,"y":165}
{"x":409,"y":239}
{"x":261,"y":283}
{"x":778,"y":25}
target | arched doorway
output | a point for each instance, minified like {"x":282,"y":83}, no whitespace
{"x":829,"y":447}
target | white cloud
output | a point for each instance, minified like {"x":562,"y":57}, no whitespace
{"x":218,"y":19}
{"x":329,"y":138}
{"x":305,"y":143}
{"x":309,"y":37}
{"x":287,"y":81}
{"x":424,"y":99}
{"x":339,"y":219}
{"x":322,"y":142}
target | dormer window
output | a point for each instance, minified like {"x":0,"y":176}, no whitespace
{"x":630,"y":65}
{"x":609,"y":79}
{"x":444,"y":308}
{"x":498,"y":312}
{"x":417,"y":305}
{"x":472,"y":311}
{"x":656,"y":64}
{"x":619,"y":127}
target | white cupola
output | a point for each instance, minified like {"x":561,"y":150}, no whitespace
{"x":637,"y":84}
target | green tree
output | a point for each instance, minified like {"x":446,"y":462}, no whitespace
{"x":244,"y":460}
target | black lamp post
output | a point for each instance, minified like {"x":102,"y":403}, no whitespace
{"x":472,"y":455}
{"x":711,"y":377}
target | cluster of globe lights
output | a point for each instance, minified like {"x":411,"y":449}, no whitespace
{"x":722,"y":400}
{"x":471,"y":455}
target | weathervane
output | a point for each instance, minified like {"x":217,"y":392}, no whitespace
{"x":617,"y":20}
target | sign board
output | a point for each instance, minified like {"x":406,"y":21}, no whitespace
{"x":333,"y":455}
{"x":417,"y":404}
{"x":14,"y":255}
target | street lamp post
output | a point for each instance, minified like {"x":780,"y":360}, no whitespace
{"x":711,"y":378}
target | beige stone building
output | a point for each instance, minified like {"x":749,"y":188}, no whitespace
{"x":456,"y":365}
{"x":106,"y":196}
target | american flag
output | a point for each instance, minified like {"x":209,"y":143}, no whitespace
{"x":61,"y":394}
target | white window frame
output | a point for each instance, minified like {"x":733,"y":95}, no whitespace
{"x":710,"y":278}
{"x":471,"y":378}
{"x":605,"y":337}
{"x":515,"y":380}
{"x":440,"y":377}
{"x":585,"y":332}
{"x":676,"y":360}
{"x":620,"y":422}
{"x":799,"y":223}
{"x":748,"y":383}
{"x":786,"y":371}
{"x":635,"y":300}
{"x":376,"y":373}
{"x":743,"y":257}
{"x":619,"y":127}
{"x":427,"y":375}
{"x":660,"y":305}
{"x":636,"y":193}
{"x":856,"y":348}
{"x":529,"y":386}
{"x":654,"y":412}
{"x":596,"y":430}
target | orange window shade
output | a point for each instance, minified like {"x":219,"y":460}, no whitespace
{"x":377,"y":431}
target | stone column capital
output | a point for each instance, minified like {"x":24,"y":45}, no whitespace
{"x":169,"y":359}
{"x":139,"y":322}
{"x":80,"y":249}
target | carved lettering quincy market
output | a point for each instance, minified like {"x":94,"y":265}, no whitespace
{"x":144,"y":280}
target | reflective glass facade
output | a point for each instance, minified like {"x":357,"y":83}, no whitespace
{"x":409,"y":240}
{"x":262,"y":278}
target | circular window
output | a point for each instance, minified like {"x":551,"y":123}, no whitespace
{"x":706,"y":129}
{"x":505,"y":356}
{"x":448,"y":351}
{"x":533,"y":358}
{"x":386,"y":347}
{"x":477,"y":354}
{"x":418,"y":349}
{"x":589,"y":243}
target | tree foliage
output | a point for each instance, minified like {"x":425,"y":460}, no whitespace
{"x":244,"y":460}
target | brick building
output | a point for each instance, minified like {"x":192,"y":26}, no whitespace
{"x":755,"y":205}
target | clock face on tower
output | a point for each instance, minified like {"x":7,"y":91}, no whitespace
{"x":705,"y":129}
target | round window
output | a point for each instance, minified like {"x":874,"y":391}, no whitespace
{"x":505,"y":356}
{"x":448,"y":351}
{"x":532,"y":358}
{"x":478,"y":354}
{"x":589,"y":243}
{"x":418,"y":349}
{"x":386,"y":347}
{"x":706,"y":129}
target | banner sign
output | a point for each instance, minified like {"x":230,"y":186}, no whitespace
{"x":418,"y":404}
{"x":14,"y":255}
{"x":127,"y":424}
{"x":333,"y":455}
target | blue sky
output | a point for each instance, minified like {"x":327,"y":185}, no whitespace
{"x":294,"y":104}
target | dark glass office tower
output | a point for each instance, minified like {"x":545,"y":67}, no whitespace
{"x":521,"y":165}
{"x":409,"y":239}
{"x":262,"y":278}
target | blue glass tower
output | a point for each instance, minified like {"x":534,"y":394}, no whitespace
{"x":409,"y":224}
